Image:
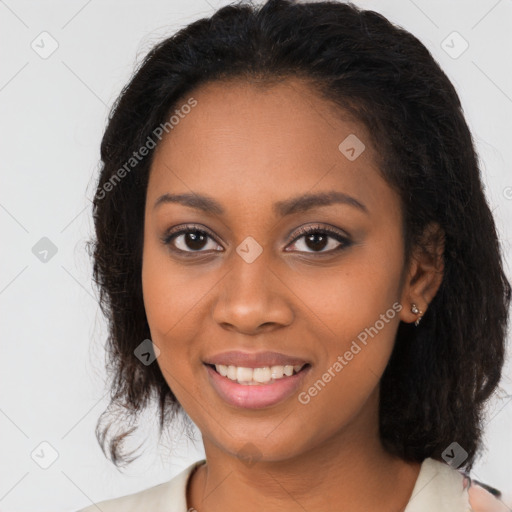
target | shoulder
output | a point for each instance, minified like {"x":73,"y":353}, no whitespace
{"x":440,"y":487}
{"x":482,"y":500}
{"x":165,"y":497}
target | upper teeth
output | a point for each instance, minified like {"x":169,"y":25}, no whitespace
{"x":256,"y":375}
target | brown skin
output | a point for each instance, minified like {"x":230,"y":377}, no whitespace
{"x":249,"y":147}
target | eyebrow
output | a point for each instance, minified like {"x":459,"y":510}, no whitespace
{"x":291,"y":206}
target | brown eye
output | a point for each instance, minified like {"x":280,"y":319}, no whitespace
{"x":317,"y":239}
{"x":189,"y":240}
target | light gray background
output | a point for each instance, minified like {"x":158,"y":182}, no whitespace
{"x":53,"y":112}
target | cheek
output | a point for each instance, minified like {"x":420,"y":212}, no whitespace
{"x":339,"y":303}
{"x":356,"y":314}
{"x":172,"y":293}
{"x":347,"y":381}
{"x":166,"y":311}
{"x":157,"y":292}
{"x":175,"y":300}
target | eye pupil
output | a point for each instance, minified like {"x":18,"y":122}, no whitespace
{"x":313,"y":238}
{"x":195,"y":240}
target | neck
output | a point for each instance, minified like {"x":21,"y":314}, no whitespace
{"x":348,"y":471}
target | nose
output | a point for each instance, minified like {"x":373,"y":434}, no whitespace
{"x":253,"y":297}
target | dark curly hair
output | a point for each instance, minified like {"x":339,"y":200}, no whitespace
{"x":440,"y":373}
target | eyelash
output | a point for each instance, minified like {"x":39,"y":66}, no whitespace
{"x":302,"y":232}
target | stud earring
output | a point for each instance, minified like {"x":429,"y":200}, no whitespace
{"x":416,"y":311}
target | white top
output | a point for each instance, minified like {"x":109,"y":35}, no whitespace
{"x":438,"y":488}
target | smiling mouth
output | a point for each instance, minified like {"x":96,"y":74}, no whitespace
{"x":257,"y":376}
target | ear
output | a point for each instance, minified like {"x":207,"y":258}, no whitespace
{"x":425,"y":272}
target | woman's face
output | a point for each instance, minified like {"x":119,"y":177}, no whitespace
{"x":252,"y":290}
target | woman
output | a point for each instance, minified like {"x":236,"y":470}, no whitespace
{"x":293,"y":247}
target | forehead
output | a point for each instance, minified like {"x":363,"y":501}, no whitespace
{"x":243,"y":142}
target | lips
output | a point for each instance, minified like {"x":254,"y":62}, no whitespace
{"x":251,"y":387}
{"x":254,"y":360}
{"x":255,"y":396}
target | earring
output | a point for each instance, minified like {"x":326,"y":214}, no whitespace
{"x":416,"y":311}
